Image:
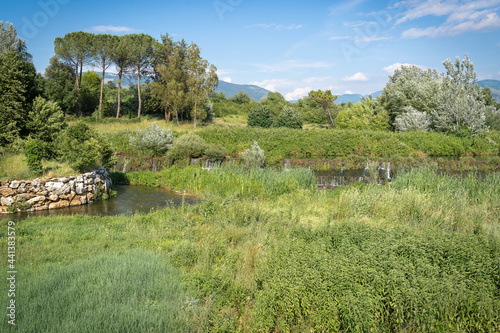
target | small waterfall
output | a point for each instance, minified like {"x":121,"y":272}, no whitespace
{"x":125,"y":166}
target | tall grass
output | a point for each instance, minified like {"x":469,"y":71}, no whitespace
{"x":421,"y":254}
{"x":229,"y":181}
{"x":131,"y":292}
{"x":15,"y":167}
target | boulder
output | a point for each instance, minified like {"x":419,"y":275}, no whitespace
{"x":59,"y":204}
{"x":53,"y":197}
{"x":7,"y":191}
{"x":6,"y":201}
{"x":36,"y":200}
{"x":79,"y":188}
{"x":15,"y":184}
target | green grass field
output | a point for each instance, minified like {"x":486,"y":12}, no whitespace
{"x":419,"y":255}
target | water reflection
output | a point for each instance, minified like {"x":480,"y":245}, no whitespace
{"x":129,"y":200}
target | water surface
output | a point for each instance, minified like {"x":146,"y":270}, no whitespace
{"x":129,"y":200}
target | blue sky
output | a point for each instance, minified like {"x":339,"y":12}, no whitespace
{"x":287,"y":46}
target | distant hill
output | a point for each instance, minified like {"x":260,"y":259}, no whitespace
{"x":494,"y":85}
{"x":346,"y":98}
{"x":231,"y":89}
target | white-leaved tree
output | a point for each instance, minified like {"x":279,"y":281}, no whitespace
{"x":153,"y":140}
{"x":419,"y":99}
{"x":460,"y":110}
{"x":412,"y":120}
{"x":254,"y":157}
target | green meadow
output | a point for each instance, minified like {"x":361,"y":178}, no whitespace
{"x":266,"y":251}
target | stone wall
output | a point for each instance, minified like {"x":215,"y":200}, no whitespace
{"x":51,"y":193}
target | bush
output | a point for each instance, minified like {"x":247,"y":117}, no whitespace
{"x":215,"y":152}
{"x":290,"y":118}
{"x":154,"y":140}
{"x":412,"y":120}
{"x":254,"y":157}
{"x":187,"y":146}
{"x":84,"y":149}
{"x":35,"y":151}
{"x":260,"y":116}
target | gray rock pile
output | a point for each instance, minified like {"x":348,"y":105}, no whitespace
{"x":51,"y":193}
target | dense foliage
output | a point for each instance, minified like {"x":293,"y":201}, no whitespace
{"x":84,"y":149}
{"x":260,"y":116}
{"x":153,"y":141}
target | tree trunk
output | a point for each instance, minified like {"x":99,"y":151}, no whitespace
{"x":167,"y":114}
{"x":79,"y":99}
{"x":195,"y":114}
{"x":328,"y":117}
{"x":120,"y":73}
{"x":102,"y":89}
{"x":139,"y":91}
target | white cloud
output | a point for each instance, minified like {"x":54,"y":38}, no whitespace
{"x":291,"y":64}
{"x":297,"y":93}
{"x":348,"y":92}
{"x":461,"y":16}
{"x":279,"y":27}
{"x":356,"y":77}
{"x":390,"y":69}
{"x":111,"y":28}
{"x":371,"y":39}
{"x":227,"y":79}
{"x":490,"y":21}
{"x":273,"y":84}
{"x":339,"y":37}
{"x":221,"y":72}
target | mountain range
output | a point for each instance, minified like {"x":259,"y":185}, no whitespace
{"x":257,"y":93}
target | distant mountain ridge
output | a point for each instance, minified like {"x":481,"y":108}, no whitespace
{"x":494,"y":86}
{"x":231,"y":89}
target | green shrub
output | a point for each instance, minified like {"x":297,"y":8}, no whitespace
{"x":254,"y":157}
{"x":290,"y":118}
{"x":153,"y":141}
{"x":215,"y":152}
{"x":84,"y":149}
{"x":35,"y":151}
{"x":260,"y":116}
{"x":187,"y":146}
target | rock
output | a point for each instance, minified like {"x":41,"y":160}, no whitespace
{"x":75,"y":202}
{"x":54,"y":197}
{"x":64,"y":180}
{"x":59,"y":204}
{"x":90,"y":197}
{"x":44,"y":207}
{"x":53,"y":186}
{"x":83,"y":199}
{"x":24,"y":196}
{"x":44,"y":193}
{"x":36,"y":200}
{"x":36,"y":183}
{"x":7,"y":192}
{"x":65,"y":189}
{"x":79,"y":189}
{"x":6,"y":201}
{"x":79,"y":179}
{"x":15,"y":184}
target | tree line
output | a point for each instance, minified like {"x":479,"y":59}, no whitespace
{"x":182,"y":79}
